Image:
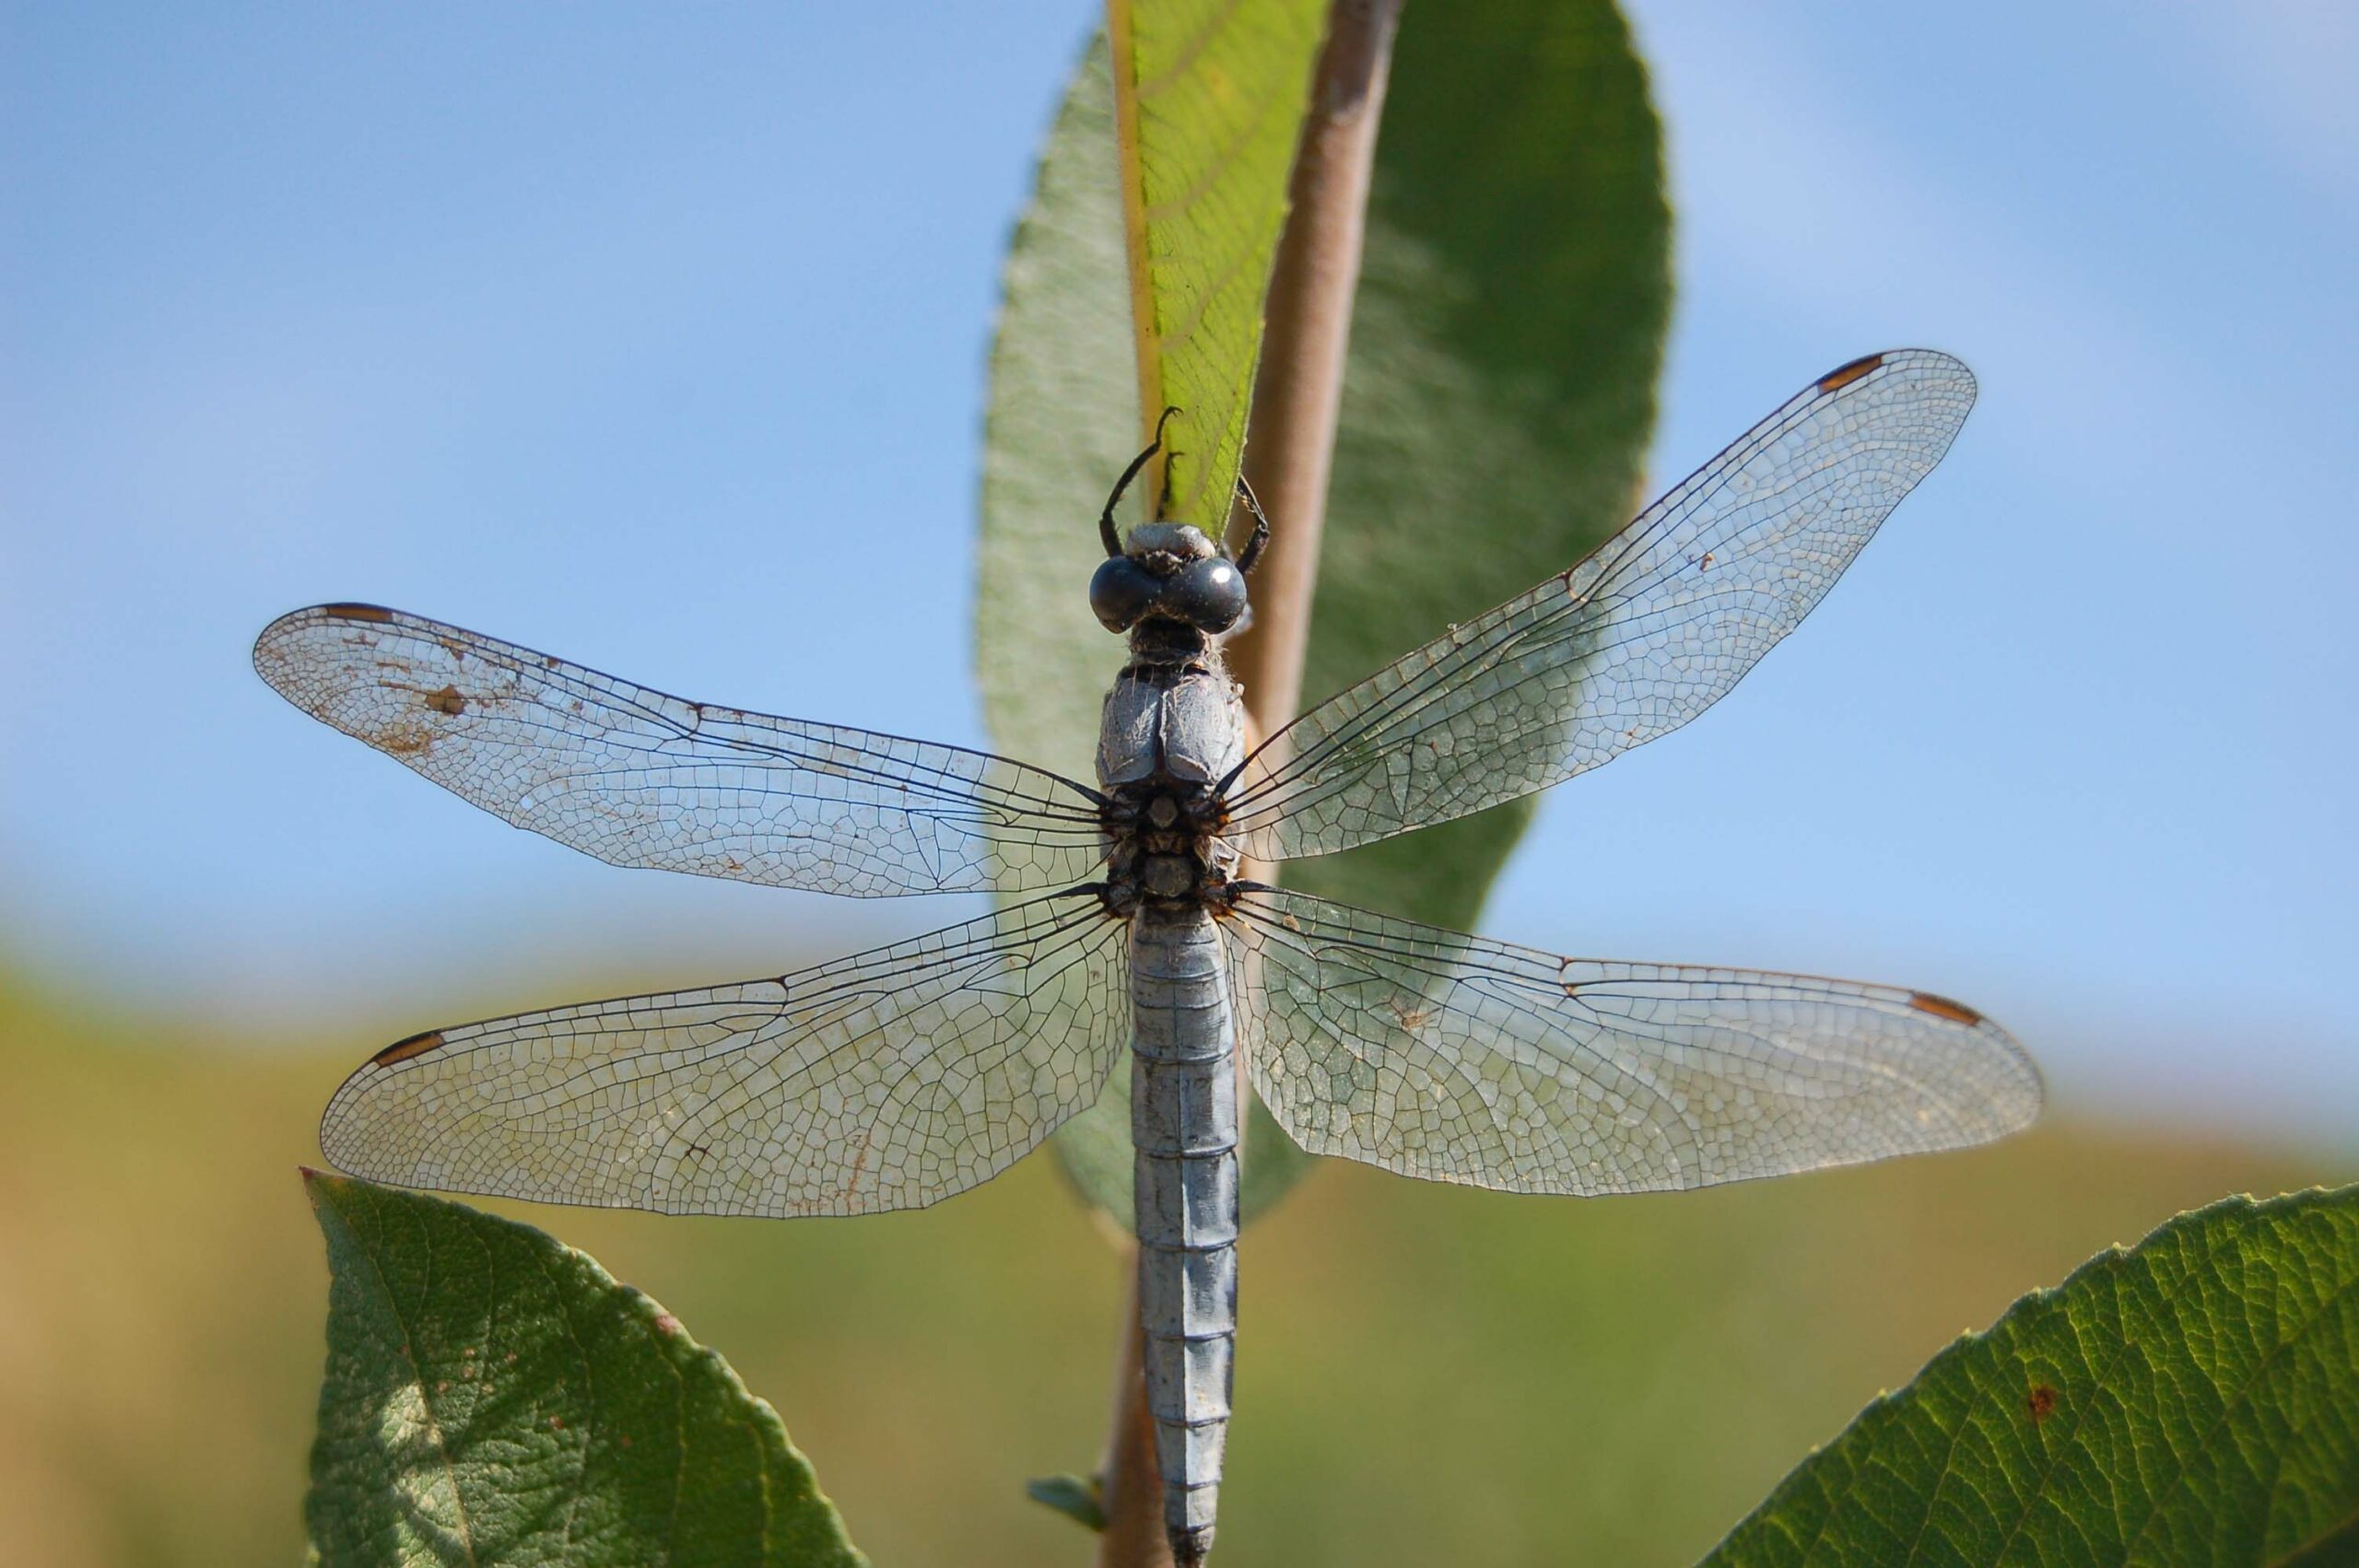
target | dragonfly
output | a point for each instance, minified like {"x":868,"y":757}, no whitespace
{"x":1124,"y":920}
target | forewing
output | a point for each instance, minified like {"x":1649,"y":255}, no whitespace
{"x":890,"y":1080}
{"x":1444,"y":1056}
{"x":640,"y":778}
{"x":1651,"y":629}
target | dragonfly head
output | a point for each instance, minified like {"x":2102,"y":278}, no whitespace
{"x":1169,"y":571}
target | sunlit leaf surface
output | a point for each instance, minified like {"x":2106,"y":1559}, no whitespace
{"x":1209,"y":97}
{"x":494,"y":1397}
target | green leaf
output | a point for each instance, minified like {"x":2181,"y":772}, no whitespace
{"x":1497,"y":405}
{"x":1080,"y":1499}
{"x":2192,"y":1400}
{"x":1060,"y":421}
{"x":495,"y":1397}
{"x":1499,"y":391}
{"x":1208,"y":104}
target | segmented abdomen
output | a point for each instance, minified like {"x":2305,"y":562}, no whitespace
{"x":1183,"y":1121}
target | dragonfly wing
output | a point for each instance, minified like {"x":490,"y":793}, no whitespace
{"x":640,"y":778}
{"x":1444,"y":1056}
{"x":1647,"y":631}
{"x":890,"y":1080}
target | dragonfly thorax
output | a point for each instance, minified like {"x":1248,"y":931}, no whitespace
{"x":1166,"y":845}
{"x":1170,"y":876}
{"x":1172,"y":735}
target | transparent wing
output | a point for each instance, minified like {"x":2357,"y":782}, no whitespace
{"x":890,"y":1080}
{"x":1440,"y":1055}
{"x":640,"y":778}
{"x":1651,"y":629}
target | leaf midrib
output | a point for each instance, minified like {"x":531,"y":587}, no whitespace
{"x":418,"y":1373}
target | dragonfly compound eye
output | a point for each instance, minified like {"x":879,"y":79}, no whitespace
{"x":1208,"y":595}
{"x":1122,"y":591}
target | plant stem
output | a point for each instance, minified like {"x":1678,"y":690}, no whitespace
{"x":1132,"y":1486}
{"x":1290,"y":443}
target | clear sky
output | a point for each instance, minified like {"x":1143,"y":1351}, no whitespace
{"x":654,"y":338}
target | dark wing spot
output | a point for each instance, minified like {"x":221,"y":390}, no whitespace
{"x":402,"y":1050}
{"x":447,"y":701}
{"x":377,"y":613}
{"x":2041,"y":1403}
{"x":1942,"y":1007}
{"x":1844,"y":375}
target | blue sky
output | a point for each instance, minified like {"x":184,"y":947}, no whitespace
{"x":656,"y":339}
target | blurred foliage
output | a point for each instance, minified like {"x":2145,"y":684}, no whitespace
{"x":495,"y":1397}
{"x":2195,"y":1399}
{"x":1498,"y":401}
{"x":1426,"y":1374}
{"x":1208,"y":104}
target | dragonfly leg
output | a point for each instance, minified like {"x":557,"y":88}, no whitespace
{"x":1106,"y":529}
{"x":1259,"y":540}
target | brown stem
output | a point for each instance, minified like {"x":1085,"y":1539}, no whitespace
{"x":1289,"y":445}
{"x":1132,"y":1486}
{"x":1291,"y":441}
